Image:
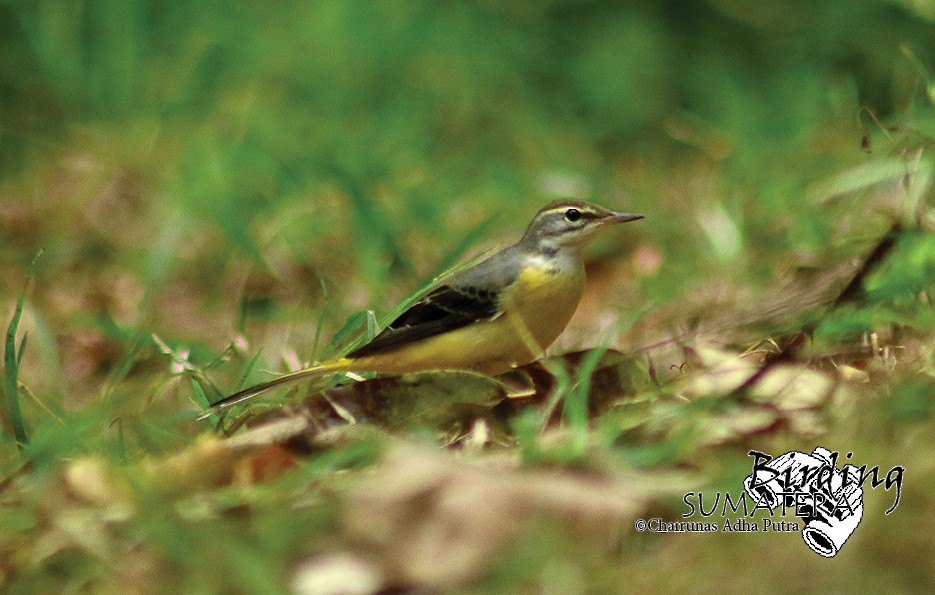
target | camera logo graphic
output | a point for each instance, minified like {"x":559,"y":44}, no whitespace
{"x":829,"y":500}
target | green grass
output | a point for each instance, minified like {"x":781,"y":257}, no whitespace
{"x":223,"y":192}
{"x":12,"y":359}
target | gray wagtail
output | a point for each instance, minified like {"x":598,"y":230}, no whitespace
{"x":498,"y":314}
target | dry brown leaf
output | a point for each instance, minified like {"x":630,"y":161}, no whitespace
{"x":717,"y":372}
{"x":336,"y":573}
{"x":793,"y":386}
{"x":435,"y":521}
{"x":727,"y":427}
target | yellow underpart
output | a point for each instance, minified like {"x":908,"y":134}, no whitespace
{"x":537,"y":307}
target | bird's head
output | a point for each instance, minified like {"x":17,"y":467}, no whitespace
{"x":569,"y":222}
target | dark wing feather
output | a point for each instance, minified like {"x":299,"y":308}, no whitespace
{"x":444,"y":309}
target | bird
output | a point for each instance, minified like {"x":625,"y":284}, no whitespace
{"x":499,"y":314}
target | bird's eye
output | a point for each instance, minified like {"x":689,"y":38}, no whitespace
{"x":572,"y":215}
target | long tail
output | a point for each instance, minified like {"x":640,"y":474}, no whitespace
{"x":335,"y":365}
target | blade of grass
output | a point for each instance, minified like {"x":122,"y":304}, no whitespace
{"x":223,"y":357}
{"x":22,"y":349}
{"x":200,"y":393}
{"x":121,"y":441}
{"x":41,"y":404}
{"x":12,"y":359}
{"x":575,"y":404}
{"x":122,"y":368}
{"x":859,"y":178}
{"x":373,"y":327}
{"x":351,"y":324}
{"x":248,"y":370}
{"x":561,"y":388}
{"x":325,"y":294}
{"x":206,"y":403}
{"x":184,"y":366}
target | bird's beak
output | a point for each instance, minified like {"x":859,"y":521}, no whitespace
{"x":623,"y":217}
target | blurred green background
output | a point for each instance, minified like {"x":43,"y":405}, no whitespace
{"x":155,"y":143}
{"x":255,"y":173}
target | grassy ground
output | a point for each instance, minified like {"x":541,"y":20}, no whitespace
{"x":218,"y":193}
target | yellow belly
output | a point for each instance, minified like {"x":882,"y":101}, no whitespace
{"x":537,"y":309}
